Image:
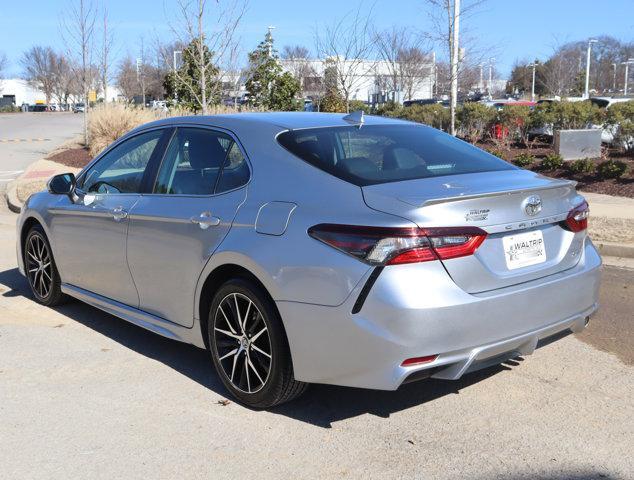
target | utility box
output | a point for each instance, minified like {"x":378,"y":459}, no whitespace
{"x":578,"y":144}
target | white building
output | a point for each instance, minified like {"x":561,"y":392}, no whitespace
{"x":18,"y":91}
{"x":367,"y":80}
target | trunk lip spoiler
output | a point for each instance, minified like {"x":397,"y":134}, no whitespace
{"x":509,"y":191}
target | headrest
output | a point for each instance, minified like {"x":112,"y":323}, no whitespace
{"x":205,"y":150}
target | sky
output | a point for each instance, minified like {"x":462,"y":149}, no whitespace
{"x":509,"y":29}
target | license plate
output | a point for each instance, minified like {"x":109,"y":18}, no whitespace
{"x":524,"y":249}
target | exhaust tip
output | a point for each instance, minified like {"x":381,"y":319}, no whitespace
{"x":587,"y":321}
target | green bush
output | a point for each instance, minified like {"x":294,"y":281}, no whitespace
{"x":581,"y":166}
{"x":434,"y":115}
{"x":574,"y":115}
{"x":475,"y":119}
{"x":622,"y":115}
{"x":516,"y":120}
{"x":356,"y":105}
{"x":497,"y":152}
{"x":552,"y":162}
{"x":389,"y":109}
{"x":9,"y":109}
{"x":612,"y":169}
{"x":523,"y":160}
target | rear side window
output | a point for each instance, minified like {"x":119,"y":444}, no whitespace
{"x":387,"y":153}
{"x":201,"y":162}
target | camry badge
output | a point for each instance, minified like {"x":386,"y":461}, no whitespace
{"x":533,"y":205}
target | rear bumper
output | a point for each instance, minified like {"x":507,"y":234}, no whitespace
{"x":417,"y":310}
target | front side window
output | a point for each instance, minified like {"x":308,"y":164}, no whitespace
{"x":121,"y":170}
{"x":200,"y":162}
{"x":387,"y":153}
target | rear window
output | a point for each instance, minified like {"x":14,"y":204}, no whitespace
{"x":387,"y":153}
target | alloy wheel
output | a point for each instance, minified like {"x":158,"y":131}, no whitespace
{"x":242,"y":343}
{"x":39,"y":266}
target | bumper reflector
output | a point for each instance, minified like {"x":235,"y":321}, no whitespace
{"x":418,"y":360}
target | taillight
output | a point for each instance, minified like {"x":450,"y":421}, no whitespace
{"x":394,"y":246}
{"x":577,"y":220}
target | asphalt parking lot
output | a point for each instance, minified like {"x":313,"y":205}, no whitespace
{"x":85,"y":395}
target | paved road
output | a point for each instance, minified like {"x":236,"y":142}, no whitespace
{"x":27,"y":137}
{"x":85,"y":395}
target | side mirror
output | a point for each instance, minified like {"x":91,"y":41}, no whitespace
{"x":62,"y":184}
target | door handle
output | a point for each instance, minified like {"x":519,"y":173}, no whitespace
{"x":118,"y":213}
{"x":206,"y":220}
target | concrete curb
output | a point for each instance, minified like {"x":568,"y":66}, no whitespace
{"x":11,"y":196}
{"x":615,"y":249}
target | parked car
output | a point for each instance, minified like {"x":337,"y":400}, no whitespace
{"x":309,"y":247}
{"x":610,"y":133}
{"x":426,"y":101}
{"x":79,"y":108}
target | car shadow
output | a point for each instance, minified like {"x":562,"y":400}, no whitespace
{"x":320,"y":406}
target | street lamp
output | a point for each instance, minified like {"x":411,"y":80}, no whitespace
{"x":534,"y":65}
{"x":491,"y":60}
{"x":590,"y":42}
{"x":614,"y":78}
{"x":627,"y":64}
{"x":174,"y":53}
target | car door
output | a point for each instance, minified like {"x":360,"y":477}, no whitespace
{"x":173,"y":232}
{"x":89,"y":234}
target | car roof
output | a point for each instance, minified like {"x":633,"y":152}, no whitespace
{"x":282,"y":120}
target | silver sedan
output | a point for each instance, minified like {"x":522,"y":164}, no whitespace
{"x":316,"y":248}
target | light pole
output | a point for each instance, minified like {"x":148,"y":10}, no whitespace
{"x":481,"y":84}
{"x":174,"y":54}
{"x":491,"y":60}
{"x":534,"y":65}
{"x":627,"y":64}
{"x":614,"y":78}
{"x":586,"y":92}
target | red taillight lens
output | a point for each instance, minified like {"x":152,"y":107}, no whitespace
{"x":418,"y":360}
{"x":577,"y":220}
{"x":395,"y":246}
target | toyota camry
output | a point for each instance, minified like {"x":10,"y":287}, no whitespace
{"x":316,"y":248}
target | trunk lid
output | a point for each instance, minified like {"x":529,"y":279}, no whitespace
{"x":497,"y":203}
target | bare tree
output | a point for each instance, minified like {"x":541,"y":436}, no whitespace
{"x":560,"y":71}
{"x":107,"y":42}
{"x":213,"y":42}
{"x":3,"y":66}
{"x":78,"y":28}
{"x":64,"y":83}
{"x":127,"y":80}
{"x":347,"y":45}
{"x":39,"y":69}
{"x":407,"y":64}
{"x":446,"y":16}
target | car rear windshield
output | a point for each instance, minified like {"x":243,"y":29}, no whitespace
{"x":387,"y":153}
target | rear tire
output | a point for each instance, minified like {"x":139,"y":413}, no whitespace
{"x":248,"y":346}
{"x":41,"y":270}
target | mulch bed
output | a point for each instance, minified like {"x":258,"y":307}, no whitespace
{"x":73,"y":157}
{"x":588,"y":182}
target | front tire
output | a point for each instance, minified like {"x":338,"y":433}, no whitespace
{"x":41,"y":270}
{"x":249,"y":348}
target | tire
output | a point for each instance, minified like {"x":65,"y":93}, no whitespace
{"x":44,"y":282}
{"x":241,"y":358}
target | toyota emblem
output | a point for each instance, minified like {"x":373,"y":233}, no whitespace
{"x":533,"y":205}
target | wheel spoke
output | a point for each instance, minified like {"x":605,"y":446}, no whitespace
{"x":232,"y":352}
{"x":257,"y":335}
{"x":246,"y":369}
{"x":246,"y":316}
{"x":227,"y":333}
{"x":235,"y":299}
{"x":233,"y":367}
{"x":259,"y":350}
{"x":253,"y":368}
{"x":233,"y":330}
